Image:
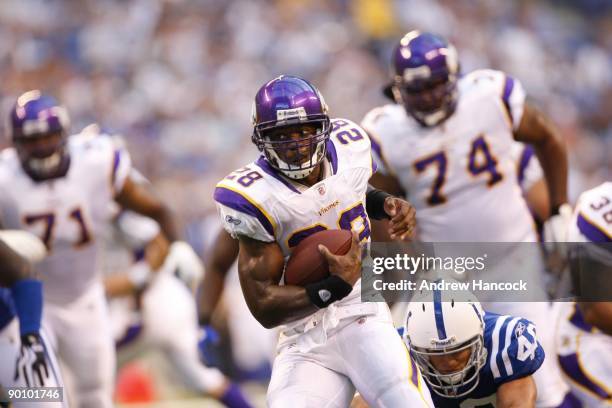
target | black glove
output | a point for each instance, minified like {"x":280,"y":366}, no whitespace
{"x":31,"y":362}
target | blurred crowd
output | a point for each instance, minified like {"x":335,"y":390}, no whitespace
{"x":177,"y":77}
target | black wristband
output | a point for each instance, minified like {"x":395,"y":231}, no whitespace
{"x":375,"y":204}
{"x":327,"y":291}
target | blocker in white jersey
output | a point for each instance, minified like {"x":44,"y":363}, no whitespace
{"x":463,"y":170}
{"x":66,"y":213}
{"x":584,"y":335}
{"x":61,"y":190}
{"x":447,"y":143}
{"x":313,"y":176}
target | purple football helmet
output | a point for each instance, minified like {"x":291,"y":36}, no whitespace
{"x":291,"y":125}
{"x":38,"y":126}
{"x":425,"y":70}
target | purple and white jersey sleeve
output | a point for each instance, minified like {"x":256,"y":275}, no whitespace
{"x":379,"y":124}
{"x":513,"y":97}
{"x":121,"y":167}
{"x":495,"y":87}
{"x":528,"y":167}
{"x":243,"y":215}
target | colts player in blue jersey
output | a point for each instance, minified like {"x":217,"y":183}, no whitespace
{"x":25,"y":358}
{"x":469,"y":357}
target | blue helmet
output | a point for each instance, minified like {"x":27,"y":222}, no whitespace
{"x":425,"y":69}
{"x":291,"y":125}
{"x":38,"y":131}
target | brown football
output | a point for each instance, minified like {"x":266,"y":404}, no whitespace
{"x":307,"y":265}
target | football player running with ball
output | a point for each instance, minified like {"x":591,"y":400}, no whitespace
{"x":331,"y":342}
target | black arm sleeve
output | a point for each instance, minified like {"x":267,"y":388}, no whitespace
{"x":375,"y":203}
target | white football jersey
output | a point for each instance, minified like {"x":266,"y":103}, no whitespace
{"x":67,"y":213}
{"x":258,"y":202}
{"x":528,"y":169}
{"x":592,"y":220}
{"x":461,"y":175}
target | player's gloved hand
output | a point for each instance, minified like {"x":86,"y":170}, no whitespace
{"x":207,"y":346}
{"x":556,"y":227}
{"x":31,"y":362}
{"x":402,"y":218}
{"x":185,"y":263}
{"x":555,"y":232}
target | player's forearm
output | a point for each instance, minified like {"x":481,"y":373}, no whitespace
{"x":166,"y":222}
{"x":537,"y":200}
{"x":520,"y":393}
{"x":553,"y":158}
{"x":14,"y":267}
{"x":210,"y":292}
{"x":118,"y":285}
{"x":282,"y":305}
{"x":538,"y":130}
{"x":138,"y":198}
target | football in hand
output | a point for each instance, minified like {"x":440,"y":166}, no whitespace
{"x":307,"y":265}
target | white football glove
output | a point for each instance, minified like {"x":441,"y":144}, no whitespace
{"x":25,"y":244}
{"x":556,"y":230}
{"x":184,"y":263}
{"x":557,"y":226}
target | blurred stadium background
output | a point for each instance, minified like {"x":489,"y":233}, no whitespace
{"x":177,"y":77}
